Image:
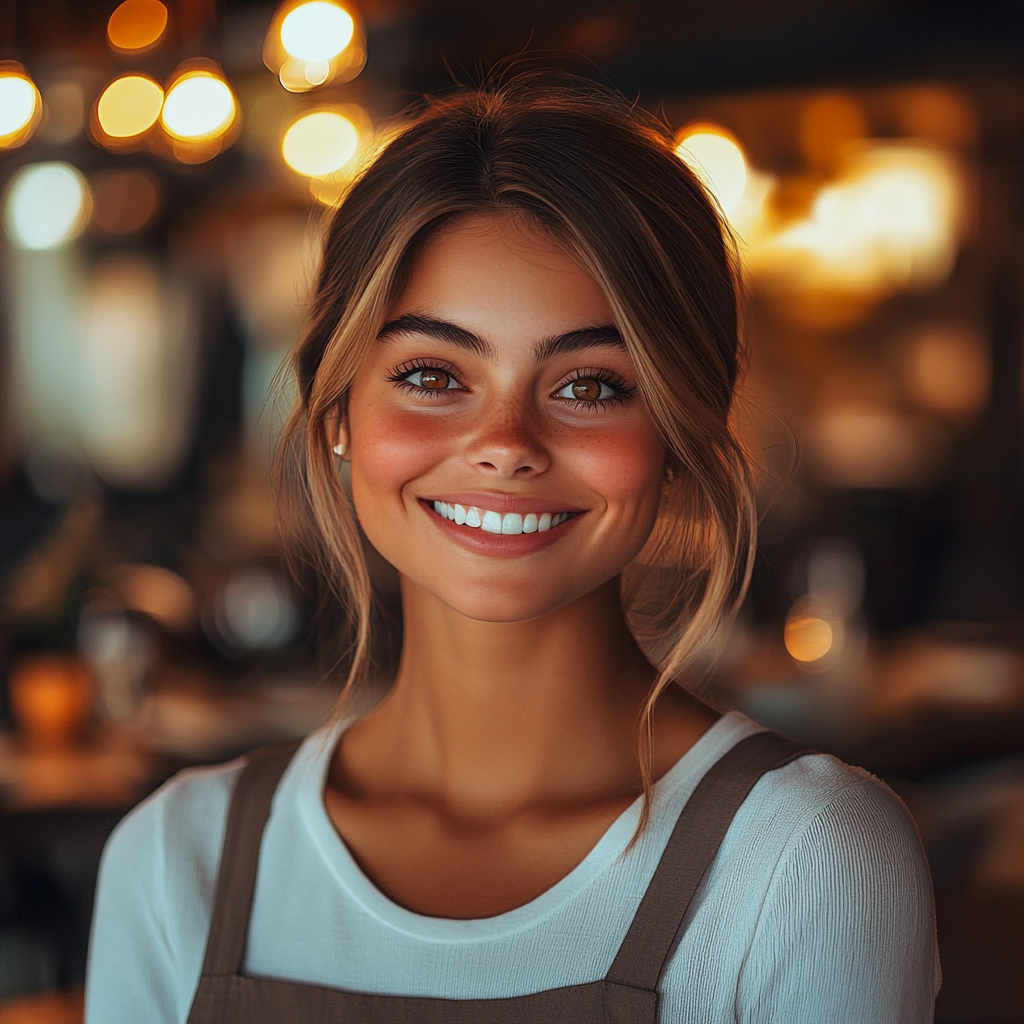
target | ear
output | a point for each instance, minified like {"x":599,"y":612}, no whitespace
{"x":336,"y":428}
{"x":673,"y":468}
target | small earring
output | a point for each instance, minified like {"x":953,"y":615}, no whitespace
{"x":339,"y":449}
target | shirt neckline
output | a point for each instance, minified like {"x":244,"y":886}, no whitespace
{"x":306,"y":778}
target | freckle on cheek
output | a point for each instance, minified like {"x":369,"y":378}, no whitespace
{"x":622,"y":464}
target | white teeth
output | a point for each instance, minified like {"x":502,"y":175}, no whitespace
{"x":512,"y":523}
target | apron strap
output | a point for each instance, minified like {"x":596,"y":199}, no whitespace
{"x":641,"y":958}
{"x":691,"y":848}
{"x":236,"y":878}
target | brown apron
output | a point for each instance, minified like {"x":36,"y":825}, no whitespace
{"x":626,"y":995}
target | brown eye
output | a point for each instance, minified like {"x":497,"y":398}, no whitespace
{"x":433,"y":380}
{"x":586,"y":390}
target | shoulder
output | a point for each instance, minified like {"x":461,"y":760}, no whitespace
{"x":819,"y":803}
{"x":817,"y":819}
{"x":182,"y":822}
{"x":830,"y":839}
{"x":847,"y":916}
{"x":159,"y":867}
{"x":817,"y":907}
{"x":849,"y":827}
{"x":815,"y":811}
{"x":785,"y":801}
{"x":154,"y":899}
{"x":814,"y":788}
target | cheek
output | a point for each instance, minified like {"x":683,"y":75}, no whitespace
{"x":390,"y":448}
{"x":624,"y":466}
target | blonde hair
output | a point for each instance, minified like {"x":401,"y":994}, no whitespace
{"x":601,"y":177}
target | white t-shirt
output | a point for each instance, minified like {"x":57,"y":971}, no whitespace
{"x":817,"y":909}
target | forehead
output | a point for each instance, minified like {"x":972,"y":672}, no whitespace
{"x":501,"y":276}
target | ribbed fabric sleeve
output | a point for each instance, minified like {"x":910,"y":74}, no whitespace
{"x":849,"y":897}
{"x":817,"y":909}
{"x":154,"y":899}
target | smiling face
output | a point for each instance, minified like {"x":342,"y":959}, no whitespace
{"x":502,"y":456}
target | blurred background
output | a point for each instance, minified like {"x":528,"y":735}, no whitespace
{"x":165,"y":172}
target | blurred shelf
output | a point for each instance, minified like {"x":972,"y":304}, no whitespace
{"x":48,"y":1008}
{"x":183,"y":722}
{"x":99,"y":778}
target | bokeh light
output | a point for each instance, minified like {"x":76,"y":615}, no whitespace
{"x":301,"y":76}
{"x":316,"y":32}
{"x":157,"y":592}
{"x":320,"y":143}
{"x":50,"y":695}
{"x":65,"y":105}
{"x":891,"y":222}
{"x":862,"y":444}
{"x":129,"y":106}
{"x":124,"y":201}
{"x":807,"y":637}
{"x":831,"y":124}
{"x":256,"y":610}
{"x":310,"y":44}
{"x":938,"y":113}
{"x":717,"y":159}
{"x":137,"y":25}
{"x":47,"y":205}
{"x":20,"y":106}
{"x":135,"y":352}
{"x":199,"y":105}
{"x":948,"y":369}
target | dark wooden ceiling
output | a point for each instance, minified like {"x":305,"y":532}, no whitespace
{"x":668,"y":46}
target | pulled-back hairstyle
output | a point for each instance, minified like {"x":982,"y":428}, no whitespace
{"x":601,"y":177}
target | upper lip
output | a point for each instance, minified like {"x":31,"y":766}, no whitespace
{"x":504,"y":502}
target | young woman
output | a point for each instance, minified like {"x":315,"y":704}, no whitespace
{"x":522,"y":352}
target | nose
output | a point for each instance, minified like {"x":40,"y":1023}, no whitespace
{"x":506,"y":445}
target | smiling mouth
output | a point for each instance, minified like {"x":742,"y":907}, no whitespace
{"x":509,"y":523}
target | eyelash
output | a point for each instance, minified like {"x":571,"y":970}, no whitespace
{"x":398,"y":375}
{"x":623,"y":391}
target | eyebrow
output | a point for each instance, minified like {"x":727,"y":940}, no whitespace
{"x":443,"y":330}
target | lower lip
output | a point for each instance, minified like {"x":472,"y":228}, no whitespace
{"x":499,"y":545}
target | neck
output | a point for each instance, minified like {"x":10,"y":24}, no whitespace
{"x":489,"y":716}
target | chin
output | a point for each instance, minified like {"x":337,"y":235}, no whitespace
{"x":506,"y":598}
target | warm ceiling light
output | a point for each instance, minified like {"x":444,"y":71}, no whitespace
{"x":137,"y":25}
{"x":317,"y":31}
{"x":320,"y":143}
{"x":309,"y":44}
{"x":199,"y":105}
{"x":47,"y":205}
{"x":20,"y":106}
{"x":716,"y":158}
{"x":129,"y":106}
{"x":892,"y":221}
{"x":808,"y":638}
